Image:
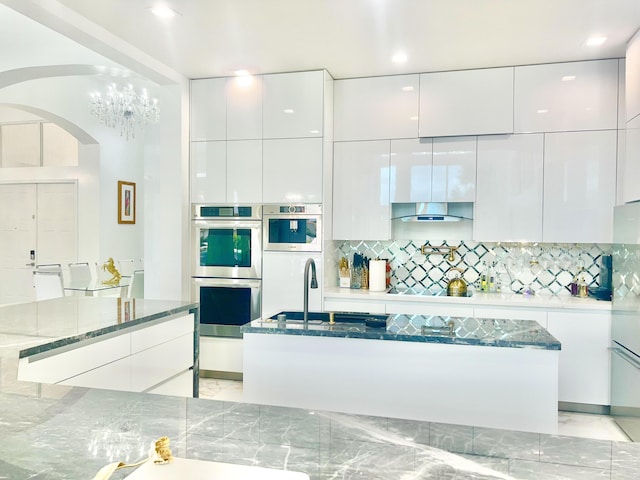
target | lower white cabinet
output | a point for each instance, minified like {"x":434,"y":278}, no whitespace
{"x":538,"y":315}
{"x":420,"y":308}
{"x":361,"y":179}
{"x":353,"y":305}
{"x":584,"y":365}
{"x":509,"y":191}
{"x":142,"y":360}
{"x":221,"y":354}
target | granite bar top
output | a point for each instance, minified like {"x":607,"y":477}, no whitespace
{"x":49,"y":324}
{"x":422,"y":328}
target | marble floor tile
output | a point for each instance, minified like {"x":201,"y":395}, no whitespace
{"x":529,"y":470}
{"x":218,"y":389}
{"x":585,"y":425}
{"x":583,"y":452}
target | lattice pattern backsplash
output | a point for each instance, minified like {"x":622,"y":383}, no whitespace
{"x":515,"y":263}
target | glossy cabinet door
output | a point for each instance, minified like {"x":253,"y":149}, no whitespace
{"x":293,"y":104}
{"x":508,"y":204}
{"x":244,"y":171}
{"x":566,"y":96}
{"x":579,"y":186}
{"x":632,"y":78}
{"x":361,"y":190}
{"x":411,"y":169}
{"x":630,"y":166}
{"x":466,"y":102}
{"x":208,"y":172}
{"x":292,"y":170}
{"x":244,"y":107}
{"x":376,"y":108}
{"x":454,"y":169}
{"x":208,"y":109}
{"x":583,"y":367}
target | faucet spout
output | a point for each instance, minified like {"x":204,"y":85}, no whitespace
{"x":314,"y":284}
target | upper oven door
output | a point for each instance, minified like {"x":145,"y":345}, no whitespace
{"x":293,"y":233}
{"x":227,"y":248}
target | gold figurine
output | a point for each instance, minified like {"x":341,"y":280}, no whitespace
{"x":110,"y":267}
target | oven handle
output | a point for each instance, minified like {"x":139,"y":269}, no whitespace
{"x":226,"y":282}
{"x":227,"y":224}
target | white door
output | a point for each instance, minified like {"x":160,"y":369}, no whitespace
{"x":39,"y":218}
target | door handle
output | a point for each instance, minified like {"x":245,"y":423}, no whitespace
{"x":31,"y":264}
{"x":625,"y":356}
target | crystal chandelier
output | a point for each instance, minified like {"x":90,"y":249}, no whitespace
{"x":124,"y":109}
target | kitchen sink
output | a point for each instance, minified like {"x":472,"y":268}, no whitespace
{"x":316,"y":318}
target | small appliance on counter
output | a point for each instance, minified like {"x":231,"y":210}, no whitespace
{"x":605,"y":290}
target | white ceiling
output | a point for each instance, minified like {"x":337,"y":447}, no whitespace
{"x":350,"y":38}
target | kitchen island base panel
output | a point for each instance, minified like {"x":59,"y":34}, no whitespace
{"x":505,"y":388}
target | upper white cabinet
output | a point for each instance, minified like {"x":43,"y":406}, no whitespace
{"x":632,"y":78}
{"x":509,"y":188}
{"x":376,"y":108}
{"x":566,"y":96}
{"x":244,"y":107}
{"x":208,"y":109}
{"x":466,"y":102}
{"x":433,"y":170}
{"x":579,"y":186}
{"x":244,"y":171}
{"x":208,"y":172}
{"x":361,"y":190}
{"x":454,"y":169}
{"x":630,"y":166}
{"x":292,"y":170}
{"x":411,"y":170}
{"x":293,"y":104}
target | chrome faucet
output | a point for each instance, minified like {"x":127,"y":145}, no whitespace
{"x":314,"y":284}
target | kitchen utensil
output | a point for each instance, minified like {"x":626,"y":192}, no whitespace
{"x":457,"y":287}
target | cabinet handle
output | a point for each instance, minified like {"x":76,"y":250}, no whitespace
{"x":625,"y":356}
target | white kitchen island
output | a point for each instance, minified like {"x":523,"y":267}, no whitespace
{"x":482,"y":372}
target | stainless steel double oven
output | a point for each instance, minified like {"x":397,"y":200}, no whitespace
{"x":227,"y":266}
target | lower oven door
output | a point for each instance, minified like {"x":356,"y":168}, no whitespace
{"x":226,"y":304}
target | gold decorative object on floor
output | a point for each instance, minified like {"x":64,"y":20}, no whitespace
{"x":159,"y":453}
{"x":110,"y":267}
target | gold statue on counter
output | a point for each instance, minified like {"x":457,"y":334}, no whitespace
{"x":110,"y":267}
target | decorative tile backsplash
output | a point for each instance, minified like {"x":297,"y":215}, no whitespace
{"x":544,"y":268}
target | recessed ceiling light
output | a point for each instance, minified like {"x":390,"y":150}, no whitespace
{"x":314,"y":131}
{"x":408,"y":88}
{"x":163,"y":11}
{"x":399,"y":57}
{"x":414,"y":118}
{"x":542,"y":110}
{"x":243,"y":78}
{"x":596,"y":41}
{"x":568,"y":78}
{"x":288,"y":110}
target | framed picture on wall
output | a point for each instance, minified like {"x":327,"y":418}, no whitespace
{"x":126,"y":202}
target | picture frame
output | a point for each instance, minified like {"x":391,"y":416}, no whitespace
{"x":126,"y":202}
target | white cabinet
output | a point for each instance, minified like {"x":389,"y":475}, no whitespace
{"x":361,"y":191}
{"x":579,"y":186}
{"x":411,"y":169}
{"x":244,"y":171}
{"x":420,"y":308}
{"x":244,"y":108}
{"x":505,"y":313}
{"x":208,"y":109}
{"x":208,"y":172}
{"x":293,"y":104}
{"x":566,"y":96}
{"x":283,"y":282}
{"x":376,"y":108}
{"x":292,"y":170}
{"x":630,"y":167}
{"x":454,"y":169}
{"x":509,"y":188}
{"x":467,"y":102}
{"x":632,"y":78}
{"x":221,"y":354}
{"x":584,"y":368}
{"x":363,"y":305}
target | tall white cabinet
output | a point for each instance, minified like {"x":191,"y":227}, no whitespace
{"x":509,"y":190}
{"x":361,"y":172}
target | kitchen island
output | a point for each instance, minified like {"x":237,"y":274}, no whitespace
{"x":467,"y":371}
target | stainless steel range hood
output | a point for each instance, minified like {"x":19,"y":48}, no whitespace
{"x":432,"y":212}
